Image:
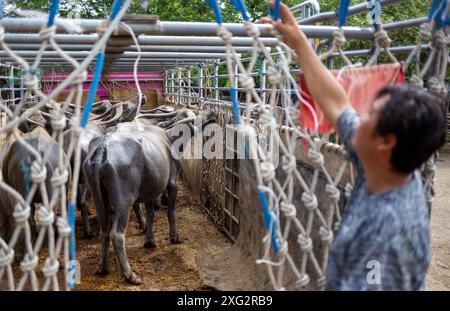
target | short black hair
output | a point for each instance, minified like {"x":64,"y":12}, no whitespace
{"x":417,"y":120}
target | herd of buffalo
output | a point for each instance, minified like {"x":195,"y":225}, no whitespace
{"x":126,"y":161}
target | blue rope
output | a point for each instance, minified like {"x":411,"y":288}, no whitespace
{"x":269,"y":220}
{"x":275,"y":11}
{"x":235,"y":102}
{"x":217,"y":13}
{"x":441,"y":17}
{"x":54,"y":8}
{"x":117,"y":5}
{"x":93,"y":90}
{"x":375,"y":13}
{"x":241,"y":7}
{"x":434,"y":6}
{"x":72,"y":244}
{"x":343,"y":12}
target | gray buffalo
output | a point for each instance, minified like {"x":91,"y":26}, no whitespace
{"x":132,"y":165}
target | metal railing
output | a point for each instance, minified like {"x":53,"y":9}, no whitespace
{"x":11,"y":83}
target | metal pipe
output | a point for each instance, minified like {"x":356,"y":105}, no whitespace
{"x":353,"y":10}
{"x":406,"y":23}
{"x":82,"y":54}
{"x":20,"y":38}
{"x":133,"y":48}
{"x":394,"y":50}
{"x":23,"y":25}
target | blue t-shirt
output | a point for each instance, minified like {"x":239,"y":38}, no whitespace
{"x":383,"y":242}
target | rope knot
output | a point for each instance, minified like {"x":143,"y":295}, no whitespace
{"x":305,"y":242}
{"x":59,"y":178}
{"x":63,"y":227}
{"x":284,"y":248}
{"x":46,"y":216}
{"x":303,"y":280}
{"x":51,"y":267}
{"x":21,"y":214}
{"x":30,"y":81}
{"x":6,"y":257}
{"x":80,"y":78}
{"x":416,"y":82}
{"x":247,"y":82}
{"x":326,"y":235}
{"x":38,"y":172}
{"x":441,"y":39}
{"x":267,"y":118}
{"x":28,"y":263}
{"x":339,"y":38}
{"x":58,"y":120}
{"x":310,"y":201}
{"x":225,"y":34}
{"x":425,"y":32}
{"x":288,"y":163}
{"x":332,"y":192}
{"x":267,"y":171}
{"x":288,"y":209}
{"x":275,"y":76}
{"x":382,"y":38}
{"x":316,"y":157}
{"x":437,"y":87}
{"x":46,"y":33}
{"x":252,"y":30}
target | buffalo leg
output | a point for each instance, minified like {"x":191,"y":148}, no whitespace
{"x":117,"y":234}
{"x":105,"y":224}
{"x":140,"y":216}
{"x":172,"y":196}
{"x":84,"y":207}
{"x":149,"y":237}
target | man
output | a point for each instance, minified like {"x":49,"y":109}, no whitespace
{"x":383,"y":242}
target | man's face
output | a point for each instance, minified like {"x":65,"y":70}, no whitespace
{"x":366,"y":142}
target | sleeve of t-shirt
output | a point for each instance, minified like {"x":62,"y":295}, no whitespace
{"x":347,"y":123}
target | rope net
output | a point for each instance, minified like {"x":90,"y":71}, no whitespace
{"x":278,"y":176}
{"x":46,"y":251}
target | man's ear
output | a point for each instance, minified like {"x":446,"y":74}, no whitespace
{"x":387,"y":142}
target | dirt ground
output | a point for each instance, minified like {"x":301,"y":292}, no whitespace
{"x":168,"y":266}
{"x":439,"y":273}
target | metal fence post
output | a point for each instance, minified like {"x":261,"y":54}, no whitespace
{"x":263,"y":80}
{"x":180,"y":98}
{"x":216,"y":80}
{"x":200,"y":83}
{"x":11,"y":83}
{"x":172,"y":84}
{"x":189,"y":85}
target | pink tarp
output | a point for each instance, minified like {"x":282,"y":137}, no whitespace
{"x":119,"y":80}
{"x":361,"y":86}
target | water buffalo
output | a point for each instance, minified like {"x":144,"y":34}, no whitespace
{"x":16,"y":169}
{"x":132,"y":165}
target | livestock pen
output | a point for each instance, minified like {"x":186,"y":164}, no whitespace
{"x":263,"y":182}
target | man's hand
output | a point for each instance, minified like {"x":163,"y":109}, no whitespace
{"x":287,"y":27}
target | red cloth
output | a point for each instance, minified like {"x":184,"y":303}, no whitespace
{"x":361,"y":85}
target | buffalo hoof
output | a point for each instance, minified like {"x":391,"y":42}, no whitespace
{"x":176,"y":240}
{"x":134,"y":280}
{"x":102,"y":271}
{"x":149,"y":244}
